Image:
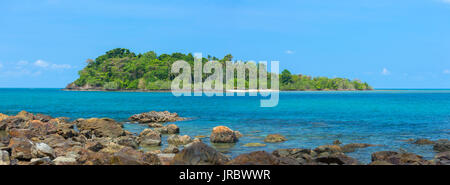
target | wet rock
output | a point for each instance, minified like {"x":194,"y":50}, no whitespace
{"x":171,"y":149}
{"x":42,"y":150}
{"x":255,"y":158}
{"x":423,"y":142}
{"x":399,"y":158}
{"x":41,"y":161}
{"x":274,"y":138}
{"x":353,"y":146}
{"x":442,"y":145}
{"x":179,"y":140}
{"x":442,"y":158}
{"x":223,"y":134}
{"x":254,"y":145}
{"x":103,"y":127}
{"x":149,"y":137}
{"x":4,"y":158}
{"x":154,"y":116}
{"x":21,"y":148}
{"x":63,"y":160}
{"x":198,"y":153}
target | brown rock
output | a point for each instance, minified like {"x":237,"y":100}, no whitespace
{"x":255,"y":158}
{"x":198,"y":153}
{"x":21,"y":148}
{"x":103,"y":127}
{"x":223,"y":134}
{"x":442,"y":145}
{"x":149,"y":137}
{"x":179,"y":140}
{"x":423,"y":142}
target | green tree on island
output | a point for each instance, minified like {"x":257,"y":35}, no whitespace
{"x":121,"y":69}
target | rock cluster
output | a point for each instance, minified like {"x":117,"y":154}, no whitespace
{"x":156,"y":117}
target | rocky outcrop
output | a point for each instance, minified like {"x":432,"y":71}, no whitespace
{"x":255,"y":158}
{"x":254,"y":145}
{"x":198,"y":153}
{"x":397,"y":158}
{"x":100,"y":127}
{"x":442,"y":145}
{"x":149,"y":137}
{"x":223,"y":134}
{"x":274,"y":138}
{"x":171,"y":149}
{"x":155,"y":117}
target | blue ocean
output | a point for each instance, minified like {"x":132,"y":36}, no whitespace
{"x":308,"y":119}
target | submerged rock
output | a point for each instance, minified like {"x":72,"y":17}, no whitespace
{"x":353,"y":146}
{"x":153,"y":116}
{"x":198,"y":153}
{"x":223,"y":134}
{"x":255,"y":158}
{"x":100,"y":127}
{"x":423,"y":142}
{"x":254,"y":145}
{"x":274,"y":138}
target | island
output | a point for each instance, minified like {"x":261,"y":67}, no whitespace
{"x":122,"y":70}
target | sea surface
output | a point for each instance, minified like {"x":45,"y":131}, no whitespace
{"x":308,"y":119}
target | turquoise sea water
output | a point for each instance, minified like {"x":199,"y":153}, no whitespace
{"x":307,"y":119}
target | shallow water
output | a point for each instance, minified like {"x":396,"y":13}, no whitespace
{"x":307,"y":119}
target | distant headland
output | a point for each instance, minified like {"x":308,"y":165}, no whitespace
{"x":122,"y":70}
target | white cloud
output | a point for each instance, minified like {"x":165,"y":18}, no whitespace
{"x":446,"y":71}
{"x":41,"y":63}
{"x":289,"y":52}
{"x":385,"y":71}
{"x":61,"y":66}
{"x":446,"y":1}
{"x":1,"y":65}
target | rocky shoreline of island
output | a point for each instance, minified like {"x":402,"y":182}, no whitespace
{"x":37,"y":139}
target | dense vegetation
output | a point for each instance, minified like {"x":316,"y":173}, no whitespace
{"x":120,"y":69}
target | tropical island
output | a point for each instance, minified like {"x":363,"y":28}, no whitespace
{"x":121,"y":69}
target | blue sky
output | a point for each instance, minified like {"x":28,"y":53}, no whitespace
{"x":388,"y":43}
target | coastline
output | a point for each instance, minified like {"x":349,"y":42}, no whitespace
{"x":236,"y":91}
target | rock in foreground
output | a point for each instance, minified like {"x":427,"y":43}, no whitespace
{"x":198,"y":153}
